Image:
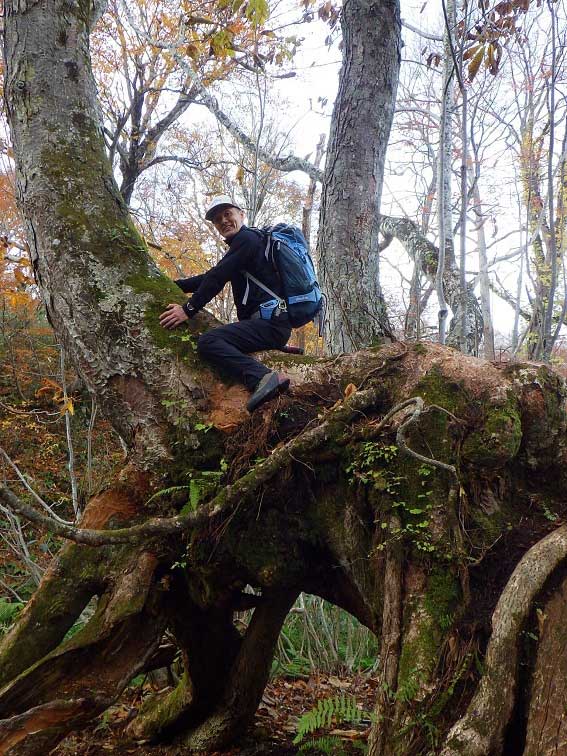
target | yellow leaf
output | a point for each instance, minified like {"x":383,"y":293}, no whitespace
{"x":257,"y":11}
{"x":67,"y":407}
{"x":471,"y":52}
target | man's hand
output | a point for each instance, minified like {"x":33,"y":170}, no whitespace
{"x":173,"y":316}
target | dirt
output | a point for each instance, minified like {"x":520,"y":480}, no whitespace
{"x":285,"y":700}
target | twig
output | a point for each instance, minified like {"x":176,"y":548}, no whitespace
{"x":14,"y":593}
{"x":69,"y":435}
{"x":402,"y":443}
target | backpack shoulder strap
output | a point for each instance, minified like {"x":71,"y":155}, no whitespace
{"x":266,"y":234}
{"x":250,"y":277}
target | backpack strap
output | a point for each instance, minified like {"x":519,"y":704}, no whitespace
{"x":249,"y":277}
{"x":266,"y":234}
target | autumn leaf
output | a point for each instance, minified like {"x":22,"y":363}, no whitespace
{"x":67,"y":406}
{"x":192,"y":51}
{"x":350,"y":389}
{"x":474,"y":65}
{"x":257,"y":11}
{"x":471,"y":52}
{"x":21,"y":277}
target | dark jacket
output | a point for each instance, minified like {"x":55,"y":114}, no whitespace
{"x":245,"y":252}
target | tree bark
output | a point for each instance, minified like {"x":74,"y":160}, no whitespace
{"x":426,"y":254}
{"x":347,"y":248}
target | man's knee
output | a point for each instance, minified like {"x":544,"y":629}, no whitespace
{"x":207,"y":343}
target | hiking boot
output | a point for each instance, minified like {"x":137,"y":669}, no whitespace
{"x":268,"y":388}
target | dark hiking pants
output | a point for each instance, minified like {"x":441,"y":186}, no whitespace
{"x":229,"y":346}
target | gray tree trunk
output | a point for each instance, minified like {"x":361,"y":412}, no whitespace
{"x":444,"y":162}
{"x":347,"y":248}
{"x":488,"y":328}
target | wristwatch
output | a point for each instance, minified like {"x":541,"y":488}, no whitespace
{"x":189,"y":310}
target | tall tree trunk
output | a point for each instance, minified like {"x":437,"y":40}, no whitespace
{"x":444,"y":163}
{"x":350,"y":202}
{"x":307,"y":217}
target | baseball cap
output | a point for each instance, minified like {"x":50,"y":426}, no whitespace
{"x":218,"y":202}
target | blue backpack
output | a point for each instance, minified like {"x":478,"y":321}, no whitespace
{"x":288,"y":252}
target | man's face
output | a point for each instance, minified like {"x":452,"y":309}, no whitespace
{"x":228,"y":221}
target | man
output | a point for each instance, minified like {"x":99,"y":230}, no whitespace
{"x":229,"y":346}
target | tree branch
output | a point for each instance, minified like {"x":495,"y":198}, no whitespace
{"x":421,"y":33}
{"x":284,"y":164}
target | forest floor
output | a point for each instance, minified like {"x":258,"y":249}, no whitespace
{"x":285,"y":700}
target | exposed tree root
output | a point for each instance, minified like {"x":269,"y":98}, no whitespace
{"x":230,"y":496}
{"x":86,"y":674}
{"x":546,"y":733}
{"x":75,"y":575}
{"x":480,"y":731}
{"x":389,"y":647}
{"x":247,"y":679}
{"x":233,"y":494}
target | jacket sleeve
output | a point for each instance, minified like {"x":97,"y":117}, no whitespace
{"x":236,"y":259}
{"x":190,"y":284}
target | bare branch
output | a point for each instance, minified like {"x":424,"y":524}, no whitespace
{"x":285,"y":164}
{"x":421,"y":33}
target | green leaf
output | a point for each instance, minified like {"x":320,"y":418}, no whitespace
{"x":257,"y":11}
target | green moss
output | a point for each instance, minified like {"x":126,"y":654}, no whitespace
{"x":499,"y":438}
{"x":91,"y":214}
{"x":162,"y":291}
{"x":431,"y":617}
{"x":442,"y":597}
{"x":486,"y":528}
{"x":417,"y":662}
{"x":436,"y":388}
{"x":160,"y":712}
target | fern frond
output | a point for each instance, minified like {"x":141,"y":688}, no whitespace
{"x":339,"y":708}
{"x":166,"y":492}
{"x":8,"y":610}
